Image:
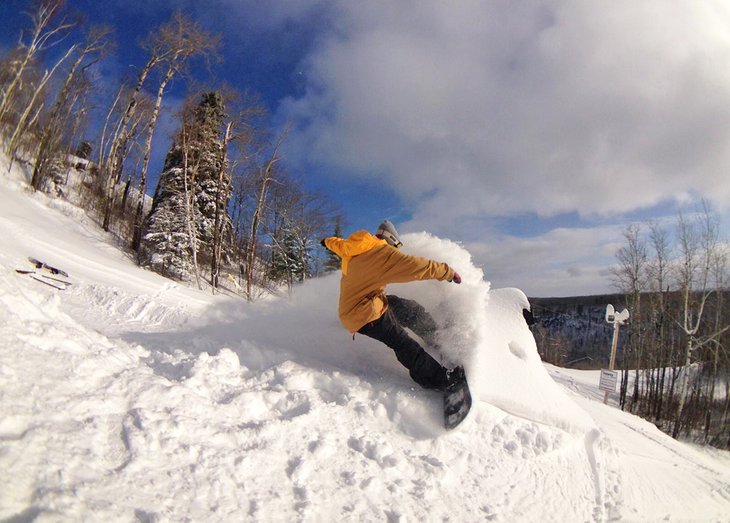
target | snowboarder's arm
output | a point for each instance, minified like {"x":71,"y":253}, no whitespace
{"x":401,"y":268}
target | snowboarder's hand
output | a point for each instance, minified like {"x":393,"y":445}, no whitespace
{"x":456,"y":278}
{"x":322,"y":243}
{"x":529,"y":318}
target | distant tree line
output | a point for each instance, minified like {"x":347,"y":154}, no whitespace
{"x":675,"y":362}
{"x":572,"y":331}
{"x":225,"y":210}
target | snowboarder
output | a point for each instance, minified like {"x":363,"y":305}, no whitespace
{"x":369,"y":263}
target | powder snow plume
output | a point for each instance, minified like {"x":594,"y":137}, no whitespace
{"x":485,"y":331}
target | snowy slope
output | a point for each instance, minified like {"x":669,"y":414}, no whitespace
{"x":128,"y":397}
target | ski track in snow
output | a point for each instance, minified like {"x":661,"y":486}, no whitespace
{"x":132,"y":398}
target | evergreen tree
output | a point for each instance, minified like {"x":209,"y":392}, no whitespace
{"x":290,"y":255}
{"x":165,"y":246}
{"x":207,"y":154}
{"x":187,"y":191}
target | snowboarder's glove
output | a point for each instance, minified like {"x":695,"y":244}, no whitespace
{"x":322,"y":243}
{"x":456,"y":278}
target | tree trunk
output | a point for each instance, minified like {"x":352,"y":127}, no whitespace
{"x":139,"y":215}
{"x":189,"y":212}
{"x":683,"y":386}
{"x":266,"y":180}
{"x":215,"y":262}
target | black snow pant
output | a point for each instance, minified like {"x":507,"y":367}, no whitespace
{"x":423,"y":368}
{"x":414,"y":316}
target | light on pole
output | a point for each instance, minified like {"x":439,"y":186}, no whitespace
{"x":610,"y":377}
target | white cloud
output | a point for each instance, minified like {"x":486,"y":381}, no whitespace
{"x":488,"y":108}
{"x":558,"y":263}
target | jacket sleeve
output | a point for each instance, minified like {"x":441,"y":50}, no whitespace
{"x":334,"y":244}
{"x":401,"y":268}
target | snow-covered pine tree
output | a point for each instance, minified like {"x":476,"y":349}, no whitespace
{"x":290,"y":253}
{"x":165,"y":243}
{"x":212,"y":191}
{"x":195,"y":162}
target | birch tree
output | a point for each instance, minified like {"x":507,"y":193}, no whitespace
{"x":178,"y":40}
{"x":97,"y":42}
{"x":630,"y":278}
{"x":49,"y":28}
{"x":33,"y":105}
{"x":266,"y":173}
{"x":658,"y":285}
{"x":698,"y":247}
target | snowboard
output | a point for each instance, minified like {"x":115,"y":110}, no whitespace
{"x":43,"y":265}
{"x":457,"y":400}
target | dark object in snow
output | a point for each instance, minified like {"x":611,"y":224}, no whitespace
{"x":529,"y":318}
{"x":43,"y":265}
{"x":41,"y":276}
{"x":457,"y":399}
{"x":56,"y":283}
{"x":44,"y":276}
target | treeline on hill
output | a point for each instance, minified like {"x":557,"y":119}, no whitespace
{"x":673,"y":353}
{"x":225,"y":209}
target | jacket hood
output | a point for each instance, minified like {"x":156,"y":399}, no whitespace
{"x":357,"y":243}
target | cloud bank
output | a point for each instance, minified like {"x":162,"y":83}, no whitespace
{"x":496,"y":108}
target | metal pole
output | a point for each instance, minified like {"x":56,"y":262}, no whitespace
{"x":612,"y":363}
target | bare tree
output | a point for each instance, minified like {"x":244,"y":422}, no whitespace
{"x":719,"y":275}
{"x":120,"y":141}
{"x":698,"y":247}
{"x":629,"y":275}
{"x":23,"y":121}
{"x":97,"y":42}
{"x":249,"y":143}
{"x":166,"y":44}
{"x":109,"y":182}
{"x":266,"y":174}
{"x":45,"y":34}
{"x":658,"y":282}
{"x":101,"y":158}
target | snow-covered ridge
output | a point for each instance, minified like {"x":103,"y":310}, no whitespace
{"x":128,"y":397}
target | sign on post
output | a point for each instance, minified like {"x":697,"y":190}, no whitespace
{"x":609,"y":378}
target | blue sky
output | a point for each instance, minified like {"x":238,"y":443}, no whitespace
{"x":532,"y":132}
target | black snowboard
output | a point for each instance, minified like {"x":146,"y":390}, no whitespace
{"x":457,"y":400}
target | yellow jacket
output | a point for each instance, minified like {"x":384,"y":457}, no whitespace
{"x":368,"y":265}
